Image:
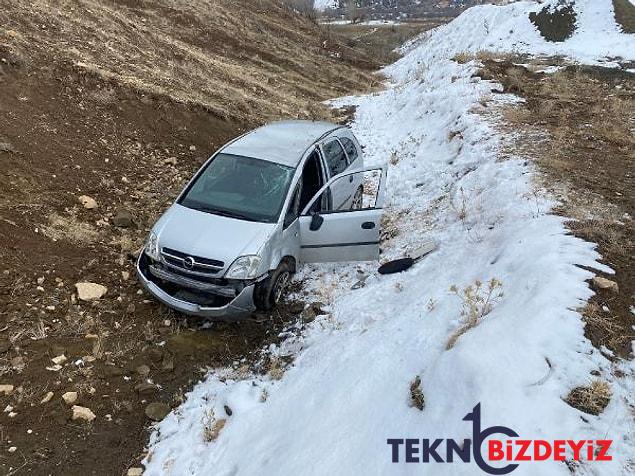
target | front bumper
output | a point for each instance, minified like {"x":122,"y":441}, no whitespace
{"x":242,"y":305}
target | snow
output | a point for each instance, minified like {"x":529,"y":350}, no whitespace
{"x":347,"y":390}
{"x":322,"y":5}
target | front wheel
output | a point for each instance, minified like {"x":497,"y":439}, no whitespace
{"x":269,"y":292}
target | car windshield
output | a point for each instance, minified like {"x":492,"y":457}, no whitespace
{"x":240,"y":187}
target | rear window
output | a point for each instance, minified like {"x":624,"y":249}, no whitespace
{"x":335,"y":157}
{"x":350,"y":149}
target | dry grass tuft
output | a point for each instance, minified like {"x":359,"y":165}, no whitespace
{"x":478,"y":301}
{"x":591,"y":399}
{"x":417,"y":399}
{"x":211,"y":426}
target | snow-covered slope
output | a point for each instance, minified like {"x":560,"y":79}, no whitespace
{"x":348,"y":388}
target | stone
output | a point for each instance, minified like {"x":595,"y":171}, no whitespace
{"x":123,"y":218}
{"x":6,"y":389}
{"x":59,"y":360}
{"x":603,"y":283}
{"x":90,"y":291}
{"x":192,"y":148}
{"x":170,"y":161}
{"x":135,"y":472}
{"x":157,"y":411}
{"x":47,"y":398}
{"x":88,"y":202}
{"x":69,"y":397}
{"x":143,"y":370}
{"x":146,"y":388}
{"x":125,"y":275}
{"x":18,"y":363}
{"x":83,"y":413}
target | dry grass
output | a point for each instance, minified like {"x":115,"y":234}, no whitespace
{"x":211,"y":426}
{"x":578,"y":124}
{"x":478,"y":300}
{"x":213,"y":53}
{"x":417,"y":399}
{"x":591,"y":399}
{"x":69,"y":228}
{"x":625,"y":15}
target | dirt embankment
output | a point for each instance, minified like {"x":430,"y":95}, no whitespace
{"x":122,"y":102}
{"x":577,"y":123}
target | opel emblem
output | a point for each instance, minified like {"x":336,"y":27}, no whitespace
{"x":188,"y":262}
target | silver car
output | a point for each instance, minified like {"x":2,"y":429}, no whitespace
{"x":286,"y":193}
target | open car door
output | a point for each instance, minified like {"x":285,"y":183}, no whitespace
{"x":344,"y":235}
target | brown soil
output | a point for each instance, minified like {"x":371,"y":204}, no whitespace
{"x":578,"y":126}
{"x":128,"y":132}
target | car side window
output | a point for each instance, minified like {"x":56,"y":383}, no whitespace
{"x":335,"y":157}
{"x":350,"y":149}
{"x":293,"y":211}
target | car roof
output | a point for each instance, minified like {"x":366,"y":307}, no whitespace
{"x":283,"y":142}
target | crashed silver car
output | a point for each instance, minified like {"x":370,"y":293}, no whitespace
{"x":286,"y":193}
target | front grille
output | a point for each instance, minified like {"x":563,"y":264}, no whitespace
{"x":191,"y":264}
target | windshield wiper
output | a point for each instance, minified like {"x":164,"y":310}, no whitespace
{"x":224,"y":213}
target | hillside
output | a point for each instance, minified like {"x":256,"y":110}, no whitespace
{"x":234,"y":61}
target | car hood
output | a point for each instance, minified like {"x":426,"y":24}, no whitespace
{"x":210,"y":236}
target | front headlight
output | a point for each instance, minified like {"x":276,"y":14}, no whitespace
{"x":152,"y":246}
{"x":245,"y":267}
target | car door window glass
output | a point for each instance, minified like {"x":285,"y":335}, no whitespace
{"x":335,"y":157}
{"x":294,"y":206}
{"x":349,"y":147}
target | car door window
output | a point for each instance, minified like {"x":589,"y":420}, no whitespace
{"x":294,"y":207}
{"x":335,"y":157}
{"x":349,"y":147}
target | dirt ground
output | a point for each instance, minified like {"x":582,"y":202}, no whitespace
{"x":68,"y":131}
{"x":577,"y":124}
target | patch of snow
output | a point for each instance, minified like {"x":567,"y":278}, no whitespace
{"x":597,"y":39}
{"x":322,"y":5}
{"x":348,"y":389}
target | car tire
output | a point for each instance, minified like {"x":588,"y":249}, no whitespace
{"x":358,"y":198}
{"x":268,"y":293}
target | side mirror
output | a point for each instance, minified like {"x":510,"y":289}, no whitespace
{"x":316,"y":222}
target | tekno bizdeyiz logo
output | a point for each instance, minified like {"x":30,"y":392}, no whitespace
{"x":495,"y":455}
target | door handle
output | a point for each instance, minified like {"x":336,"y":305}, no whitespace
{"x":350,"y":178}
{"x":368,"y":225}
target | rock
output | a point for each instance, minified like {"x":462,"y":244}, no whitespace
{"x":18,"y":363}
{"x":47,"y":398}
{"x":135,"y":472}
{"x":90,"y":291}
{"x":603,"y":283}
{"x":12,"y":449}
{"x":228,"y":410}
{"x":40,"y":280}
{"x":123,"y":218}
{"x":170,"y":161}
{"x":192,"y":148}
{"x":125,"y":275}
{"x":83,"y":413}
{"x":69,"y":397}
{"x":59,"y":360}
{"x":157,"y":411}
{"x":143,"y":370}
{"x":6,"y":147}
{"x":6,"y":389}
{"x":146,"y":388}
{"x":88,"y":202}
